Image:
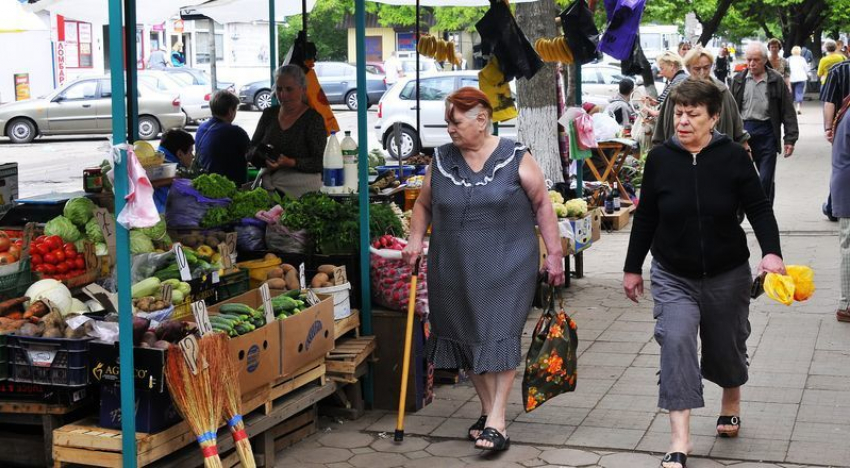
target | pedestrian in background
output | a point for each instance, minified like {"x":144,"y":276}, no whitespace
{"x":157,"y":60}
{"x":222,"y":146}
{"x":178,"y":58}
{"x":483,"y":195}
{"x":722,"y":65}
{"x":833,"y":57}
{"x":620,"y":108}
{"x":669,"y":67}
{"x":684,"y":48}
{"x":832,"y":94}
{"x":766,"y":107}
{"x":393,"y":69}
{"x":839,"y":187}
{"x":700,"y":274}
{"x":798,"y":76}
{"x":779,"y":64}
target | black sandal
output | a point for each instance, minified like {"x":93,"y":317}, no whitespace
{"x":499,"y":441}
{"x":478,"y":426}
{"x":729,"y":421}
{"x":675,"y":457}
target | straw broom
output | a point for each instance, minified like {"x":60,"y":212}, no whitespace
{"x":194,"y":398}
{"x":226,"y":377}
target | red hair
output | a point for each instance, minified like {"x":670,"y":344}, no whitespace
{"x":466,"y":99}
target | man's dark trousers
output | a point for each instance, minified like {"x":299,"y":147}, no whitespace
{"x":763,"y":144}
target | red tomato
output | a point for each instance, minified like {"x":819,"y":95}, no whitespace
{"x":80,"y":263}
{"x":35,"y":259}
{"x":70,"y":254}
{"x":60,"y":255}
{"x":70,"y":245}
{"x":62,"y":268}
{"x":54,"y":242}
{"x":43,"y":249}
{"x":48,"y":268}
{"x":38,"y":268}
{"x":19,"y":242}
{"x":40,"y":239}
{"x":70,"y":264}
{"x":49,"y":259}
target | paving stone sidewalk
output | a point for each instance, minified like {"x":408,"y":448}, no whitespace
{"x":795,"y":409}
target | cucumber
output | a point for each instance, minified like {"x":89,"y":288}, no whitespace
{"x":230,"y":318}
{"x":241,"y":317}
{"x":281,"y":303}
{"x":238,"y":309}
{"x":300,"y":303}
{"x":293,"y":293}
{"x":242,"y":329}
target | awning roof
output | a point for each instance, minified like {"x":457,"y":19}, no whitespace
{"x":245,"y":11}
{"x":13,"y":18}
{"x":446,"y":3}
{"x":97,"y":11}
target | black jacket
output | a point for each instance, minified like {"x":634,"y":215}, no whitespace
{"x":781,"y":108}
{"x":688,"y":210}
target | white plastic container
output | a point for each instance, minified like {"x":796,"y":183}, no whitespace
{"x":332,"y":174}
{"x":163,"y":171}
{"x":342,"y":303}
{"x":349,"y":161}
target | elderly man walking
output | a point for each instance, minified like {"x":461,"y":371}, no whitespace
{"x":766,"y":105}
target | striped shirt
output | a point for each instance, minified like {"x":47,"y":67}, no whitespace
{"x":837,"y":85}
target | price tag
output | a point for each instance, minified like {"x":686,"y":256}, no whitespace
{"x":202,"y":318}
{"x":182,"y":263}
{"x":191,"y":351}
{"x":302,"y":276}
{"x":215,"y":278}
{"x":104,"y":297}
{"x":27,"y":238}
{"x":106,"y":223}
{"x":92,"y":261}
{"x":230,"y":240}
{"x":340,"y":276}
{"x":226,"y":259}
{"x":265,"y":294}
{"x":312,"y":298}
{"x":166,"y":293}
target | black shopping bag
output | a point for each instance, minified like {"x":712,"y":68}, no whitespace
{"x":550,"y":365}
{"x":502,"y":35}
{"x":580,"y":31}
{"x":635,"y":63}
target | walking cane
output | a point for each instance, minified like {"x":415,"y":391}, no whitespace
{"x":405,"y":367}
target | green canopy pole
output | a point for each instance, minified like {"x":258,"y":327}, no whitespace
{"x":579,"y":162}
{"x":122,"y":239}
{"x":272,"y":46}
{"x":363,"y":183}
{"x":130,"y":69}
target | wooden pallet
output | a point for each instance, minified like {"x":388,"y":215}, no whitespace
{"x":343,"y":326}
{"x":85,"y":443}
{"x":347,"y":355}
{"x":27,"y":430}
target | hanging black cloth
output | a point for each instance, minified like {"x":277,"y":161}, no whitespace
{"x":580,"y":31}
{"x":636,"y":62}
{"x":302,"y":50}
{"x":499,"y":30}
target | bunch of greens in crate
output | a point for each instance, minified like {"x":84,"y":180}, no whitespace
{"x":245,"y":204}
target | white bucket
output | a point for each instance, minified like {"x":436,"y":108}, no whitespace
{"x":342,"y":304}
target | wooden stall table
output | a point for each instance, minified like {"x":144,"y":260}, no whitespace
{"x":28,"y":429}
{"x":617,"y":150}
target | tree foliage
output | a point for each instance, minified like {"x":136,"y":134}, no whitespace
{"x":323,"y":29}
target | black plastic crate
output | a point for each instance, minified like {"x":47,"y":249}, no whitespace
{"x":48,"y":361}
{"x":4,"y":360}
{"x":232,"y":285}
{"x":48,"y":394}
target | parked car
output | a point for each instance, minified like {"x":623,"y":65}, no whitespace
{"x":84,"y":106}
{"x":399,"y":105}
{"x":257,"y":94}
{"x":600,"y":83}
{"x":339,"y":81}
{"x":195,"y":76}
{"x":195,"y":99}
{"x":375,"y":68}
{"x":426,"y":65}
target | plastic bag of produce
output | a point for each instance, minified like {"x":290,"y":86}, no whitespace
{"x":185,"y":206}
{"x":279,"y":239}
{"x":391,"y":282}
{"x":251,"y":235}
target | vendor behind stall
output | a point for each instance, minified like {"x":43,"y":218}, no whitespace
{"x":222,"y":146}
{"x":177,"y":145}
{"x":297,"y":135}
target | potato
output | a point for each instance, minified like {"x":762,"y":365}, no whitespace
{"x":270,"y":257}
{"x":319,"y":280}
{"x":192,"y":241}
{"x":327,"y":285}
{"x":327,"y":269}
{"x":275,"y":273}
{"x":221,"y":236}
{"x":211,"y":241}
{"x":287,"y":268}
{"x":52,"y":333}
{"x":292,"y":280}
{"x":276,"y":283}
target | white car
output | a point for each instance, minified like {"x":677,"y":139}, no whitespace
{"x":600,"y":83}
{"x":195,"y":99}
{"x":399,"y":105}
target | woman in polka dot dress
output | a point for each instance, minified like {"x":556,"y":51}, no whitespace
{"x":482,"y":196}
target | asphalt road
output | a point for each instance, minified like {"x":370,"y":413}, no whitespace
{"x":55,"y":164}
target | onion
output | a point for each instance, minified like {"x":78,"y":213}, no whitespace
{"x":53,"y":291}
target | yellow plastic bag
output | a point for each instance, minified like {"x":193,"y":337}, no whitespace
{"x":804,"y":281}
{"x":780,"y":288}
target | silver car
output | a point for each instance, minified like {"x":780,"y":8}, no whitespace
{"x":84,"y":106}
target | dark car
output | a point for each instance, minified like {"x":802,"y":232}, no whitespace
{"x":194,"y":76}
{"x":338,"y":80}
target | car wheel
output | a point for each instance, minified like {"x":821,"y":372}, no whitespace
{"x":409,"y":143}
{"x":21,"y":131}
{"x":351,"y":100}
{"x":263,"y":100}
{"x":148,"y":127}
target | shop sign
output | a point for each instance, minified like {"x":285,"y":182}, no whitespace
{"x":158,"y":27}
{"x":406,"y":42}
{"x":178,"y":26}
{"x":60,"y":62}
{"x":22,"y":86}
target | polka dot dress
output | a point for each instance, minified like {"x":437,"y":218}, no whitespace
{"x":483,"y":260}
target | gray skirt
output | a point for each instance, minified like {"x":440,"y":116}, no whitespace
{"x":292,"y":183}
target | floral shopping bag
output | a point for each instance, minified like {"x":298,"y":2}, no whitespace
{"x":550,"y":365}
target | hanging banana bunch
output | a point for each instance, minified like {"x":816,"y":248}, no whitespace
{"x":554,"y":50}
{"x":438,"y":49}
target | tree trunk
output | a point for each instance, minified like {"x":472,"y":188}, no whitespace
{"x":710,"y":27}
{"x":537,"y":99}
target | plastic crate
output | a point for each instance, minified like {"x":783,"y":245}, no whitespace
{"x":232,"y":285}
{"x":15,"y":284}
{"x":59,"y":362}
{"x":4,"y":361}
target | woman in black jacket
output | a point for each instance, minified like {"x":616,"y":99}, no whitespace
{"x":700,"y":274}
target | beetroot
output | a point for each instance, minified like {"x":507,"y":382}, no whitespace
{"x":140,"y":326}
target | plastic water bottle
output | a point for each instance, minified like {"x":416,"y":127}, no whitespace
{"x":349,"y":162}
{"x":332,"y":175}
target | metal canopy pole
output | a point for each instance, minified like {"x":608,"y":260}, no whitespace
{"x":304,"y":17}
{"x":579,"y":162}
{"x":122,"y":241}
{"x":418,"y":106}
{"x":130,"y":68}
{"x":272,"y":46}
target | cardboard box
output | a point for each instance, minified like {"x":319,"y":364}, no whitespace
{"x":258,"y":353}
{"x":307,"y":335}
{"x":155,"y":411}
{"x":596,"y":225}
{"x":148,"y":364}
{"x":8,"y":186}
{"x":618,"y":220}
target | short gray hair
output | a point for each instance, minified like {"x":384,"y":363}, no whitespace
{"x":760,"y":46}
{"x":222,"y":102}
{"x":293,"y":71}
{"x":830,"y":45}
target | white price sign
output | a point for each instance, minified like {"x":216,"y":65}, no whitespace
{"x":202,"y":317}
{"x":182,"y":263}
{"x":302,"y":276}
{"x":265,"y":294}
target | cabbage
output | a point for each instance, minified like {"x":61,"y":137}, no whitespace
{"x":157,"y":232}
{"x":50,"y":290}
{"x":140,"y":243}
{"x":79,"y":210}
{"x":100,"y":249}
{"x":93,"y":231}
{"x":62,"y":227}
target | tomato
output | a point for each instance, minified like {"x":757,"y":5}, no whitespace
{"x":62,"y":268}
{"x":80,"y":263}
{"x":16,"y":251}
{"x":19,"y":242}
{"x":43,"y":249}
{"x":69,"y":245}
{"x":48,"y":268}
{"x":49,"y":258}
{"x":40,"y":239}
{"x":38,"y":268}
{"x":35,"y":259}
{"x":70,"y":254}
{"x":60,"y":255}
{"x":54,"y":242}
{"x":7,"y":259}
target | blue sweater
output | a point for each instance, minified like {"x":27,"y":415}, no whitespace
{"x":221,"y":148}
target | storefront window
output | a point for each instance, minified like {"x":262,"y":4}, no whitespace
{"x":78,"y":45}
{"x":204,"y":47}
